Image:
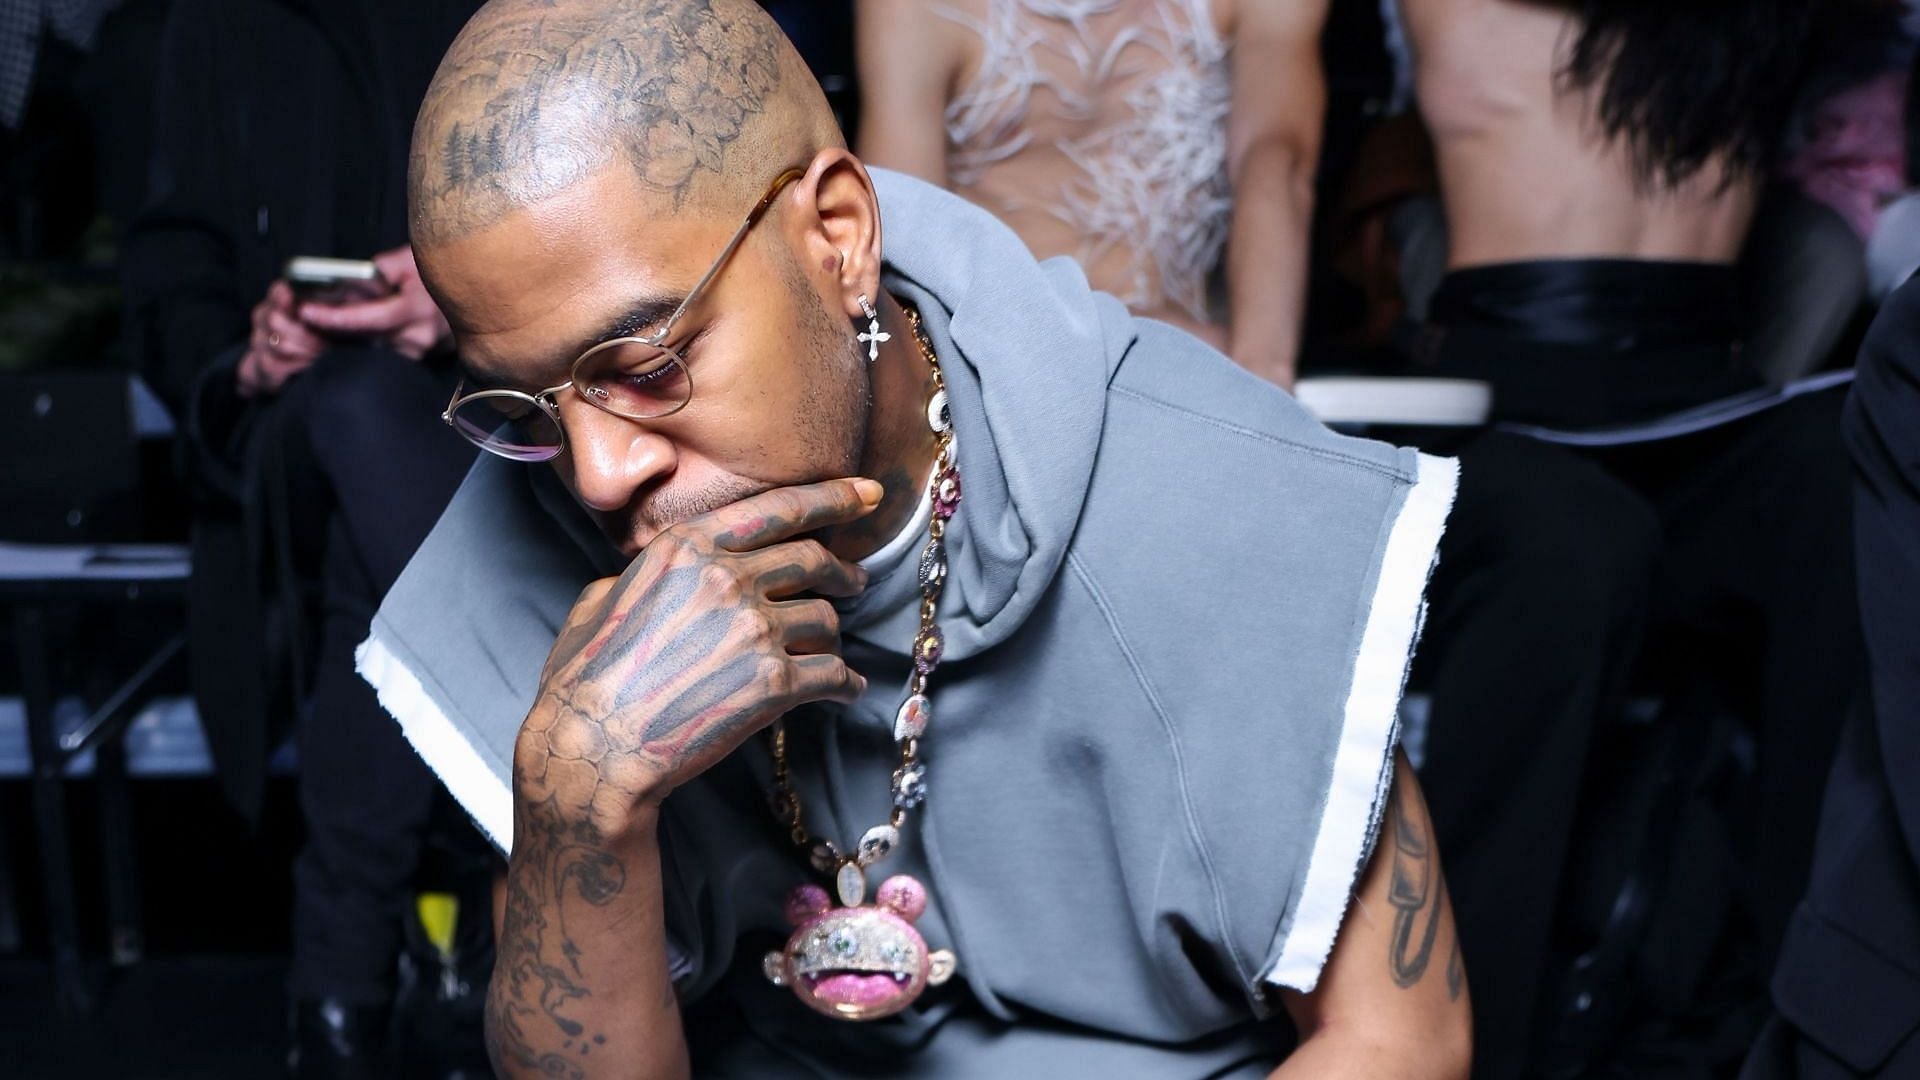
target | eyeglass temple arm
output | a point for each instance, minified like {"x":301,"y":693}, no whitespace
{"x":760,"y":208}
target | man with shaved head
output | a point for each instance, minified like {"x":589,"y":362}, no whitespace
{"x":1084,"y":765}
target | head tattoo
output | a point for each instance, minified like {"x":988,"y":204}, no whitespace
{"x":696,"y":96}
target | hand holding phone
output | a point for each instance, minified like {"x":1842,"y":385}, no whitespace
{"x":279,"y":344}
{"x":404,"y":317}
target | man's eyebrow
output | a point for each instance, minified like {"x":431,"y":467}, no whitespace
{"x":642,"y":315}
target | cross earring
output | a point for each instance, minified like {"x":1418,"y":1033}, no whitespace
{"x":874,"y":335}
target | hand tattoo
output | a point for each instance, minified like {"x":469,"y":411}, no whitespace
{"x":706,"y":638}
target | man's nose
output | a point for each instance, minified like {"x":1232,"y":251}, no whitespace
{"x":613,"y":459}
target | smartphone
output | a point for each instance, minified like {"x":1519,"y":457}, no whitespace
{"x":335,"y":281}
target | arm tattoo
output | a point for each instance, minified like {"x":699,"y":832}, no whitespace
{"x":537,"y":971}
{"x":663,"y":682}
{"x":677,"y":671}
{"x":1416,"y":895}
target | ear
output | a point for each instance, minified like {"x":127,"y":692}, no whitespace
{"x":839,"y":241}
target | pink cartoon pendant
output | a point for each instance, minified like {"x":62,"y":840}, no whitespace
{"x":862,"y":961}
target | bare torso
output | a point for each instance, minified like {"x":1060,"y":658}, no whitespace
{"x":1525,"y":171}
{"x":1097,"y":129}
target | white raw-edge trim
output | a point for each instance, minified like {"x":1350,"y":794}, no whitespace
{"x":1361,"y":766}
{"x":446,"y":750}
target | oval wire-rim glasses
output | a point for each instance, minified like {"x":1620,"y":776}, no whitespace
{"x":486,"y":437}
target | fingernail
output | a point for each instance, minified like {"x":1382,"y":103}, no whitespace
{"x":870,"y":492}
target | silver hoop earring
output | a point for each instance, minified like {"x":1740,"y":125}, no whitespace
{"x":874,"y":335}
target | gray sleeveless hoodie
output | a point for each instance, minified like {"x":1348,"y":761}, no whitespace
{"x":1178,"y":618}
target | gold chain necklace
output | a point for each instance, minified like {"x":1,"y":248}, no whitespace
{"x":864,"y":961}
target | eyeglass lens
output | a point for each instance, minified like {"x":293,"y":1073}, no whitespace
{"x":510,"y":425}
{"x":627,"y":378}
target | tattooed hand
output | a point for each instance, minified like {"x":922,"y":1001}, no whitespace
{"x":709,"y":636}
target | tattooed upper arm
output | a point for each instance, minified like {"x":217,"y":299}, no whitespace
{"x":1396,"y":972}
{"x":1417,"y":894}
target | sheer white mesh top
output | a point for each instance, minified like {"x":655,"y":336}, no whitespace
{"x":1098,"y":128}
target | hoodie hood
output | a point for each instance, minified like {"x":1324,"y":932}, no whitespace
{"x":1027,"y":350}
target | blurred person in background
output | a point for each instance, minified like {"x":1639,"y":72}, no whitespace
{"x":1599,"y":166}
{"x":1843,"y":161}
{"x":1158,"y":142}
{"x":1893,"y":251}
{"x":1847,"y":991}
{"x":282,"y":130}
{"x":76,"y":82}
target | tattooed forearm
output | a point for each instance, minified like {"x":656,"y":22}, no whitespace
{"x":538,"y":970}
{"x":655,"y":677}
{"x":1417,"y":894}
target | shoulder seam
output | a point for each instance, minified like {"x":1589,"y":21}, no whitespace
{"x":1261,"y":436}
{"x":1194,"y":833}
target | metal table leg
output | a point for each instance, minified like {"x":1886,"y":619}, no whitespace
{"x":50,"y":810}
{"x":124,"y":943}
{"x":9,"y":904}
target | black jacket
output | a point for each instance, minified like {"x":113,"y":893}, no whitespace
{"x":1848,"y":981}
{"x":281,"y":128}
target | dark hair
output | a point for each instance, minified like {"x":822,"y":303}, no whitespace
{"x":1684,"y":82}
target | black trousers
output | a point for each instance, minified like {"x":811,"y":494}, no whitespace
{"x":370,"y":467}
{"x":1536,"y":609}
{"x":1720,"y":556}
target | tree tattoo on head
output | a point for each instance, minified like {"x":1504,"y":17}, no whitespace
{"x":531,"y":100}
